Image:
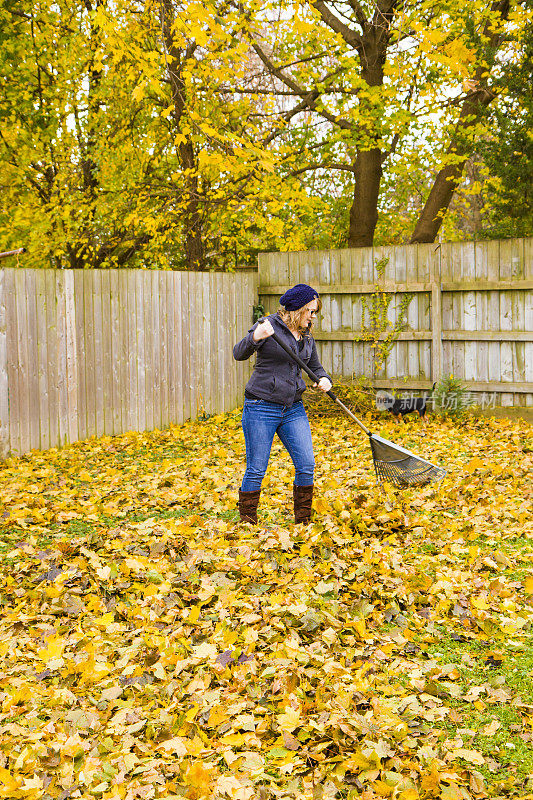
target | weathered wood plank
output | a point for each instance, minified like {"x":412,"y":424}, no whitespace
{"x":23,"y":359}
{"x":402,"y":288}
{"x":80,"y":351}
{"x":141,"y":333}
{"x":107,"y":352}
{"x":178,"y":390}
{"x":420,"y":336}
{"x":116,"y":355}
{"x":12,"y":361}
{"x":163,"y":337}
{"x":474,"y":386}
{"x":96,"y":277}
{"x":185,"y":315}
{"x":346,"y":311}
{"x":62,"y":385}
{"x":148,"y":359}
{"x":4,"y":381}
{"x":33,"y":357}
{"x":90,"y":358}
{"x":335,"y":311}
{"x":52,"y":356}
{"x":209,"y":386}
{"x":71,"y":357}
{"x":221,"y":343}
{"x":128,"y":350}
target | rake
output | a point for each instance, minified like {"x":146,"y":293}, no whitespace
{"x":392,"y":463}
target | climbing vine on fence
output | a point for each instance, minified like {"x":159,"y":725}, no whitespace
{"x":377,"y":328}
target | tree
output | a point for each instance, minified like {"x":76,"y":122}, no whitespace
{"x":505,"y":152}
{"x":377,"y":77}
{"x":66,"y":116}
{"x":176,"y":134}
{"x":124,"y":143}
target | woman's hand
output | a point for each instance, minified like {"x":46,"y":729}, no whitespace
{"x":324,"y":384}
{"x":263,"y":331}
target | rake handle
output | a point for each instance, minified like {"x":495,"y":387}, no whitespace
{"x":314,"y":377}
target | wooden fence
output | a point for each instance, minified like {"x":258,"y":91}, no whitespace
{"x":471,"y":314}
{"x":87,"y":353}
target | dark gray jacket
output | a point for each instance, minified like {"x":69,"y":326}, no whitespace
{"x":276,"y":377}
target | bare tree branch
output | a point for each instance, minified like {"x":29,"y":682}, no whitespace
{"x":360,"y":15}
{"x":310,"y":97}
{"x":350,"y":37}
{"x":319,"y":165}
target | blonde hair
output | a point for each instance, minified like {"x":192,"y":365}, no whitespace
{"x":293,"y":319}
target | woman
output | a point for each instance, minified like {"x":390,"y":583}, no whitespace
{"x":273,"y":399}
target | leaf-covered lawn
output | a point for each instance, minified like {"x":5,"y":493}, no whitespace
{"x":152,"y":647}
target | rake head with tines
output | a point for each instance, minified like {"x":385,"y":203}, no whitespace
{"x":400,"y":467}
{"x":392,"y":463}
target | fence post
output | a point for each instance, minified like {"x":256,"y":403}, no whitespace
{"x":4,"y":387}
{"x":436,"y":318}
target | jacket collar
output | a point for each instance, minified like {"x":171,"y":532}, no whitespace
{"x":280,"y":322}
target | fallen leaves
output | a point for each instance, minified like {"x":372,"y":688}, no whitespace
{"x":153,"y":647}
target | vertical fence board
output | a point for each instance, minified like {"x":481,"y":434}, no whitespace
{"x":4,"y":382}
{"x":62,"y":385}
{"x":98,"y":354}
{"x":13,"y":373}
{"x":107,"y":358}
{"x":236,"y":398}
{"x":238,"y":334}
{"x":336,"y":310}
{"x":157,"y":350}
{"x":52,"y":355}
{"x":213,"y":347}
{"x":115,"y":352}
{"x":33,"y":357}
{"x":187,"y":367}
{"x":147,"y":371}
{"x":71,"y":358}
{"x":24,"y":358}
{"x":163,"y":338}
{"x":321,"y":264}
{"x":359,"y":347}
{"x":90,"y":362}
{"x":481,"y":269}
{"x":232,"y":329}
{"x":179,"y":391}
{"x":345,"y":266}
{"x":220,"y":342}
{"x":128,"y":387}
{"x":469,"y":310}
{"x":141,"y":335}
{"x":205,"y":337}
{"x":80,"y":351}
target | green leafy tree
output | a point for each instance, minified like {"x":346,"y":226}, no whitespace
{"x":507,"y":150}
{"x":374,"y":80}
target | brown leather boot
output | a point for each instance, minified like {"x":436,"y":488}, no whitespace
{"x":303,"y":498}
{"x":248,"y":502}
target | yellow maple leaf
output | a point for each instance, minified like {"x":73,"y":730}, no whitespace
{"x":197,"y":776}
{"x":290,"y":719}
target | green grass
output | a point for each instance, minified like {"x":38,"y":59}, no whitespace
{"x":514,"y":675}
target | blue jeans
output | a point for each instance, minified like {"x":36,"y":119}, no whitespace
{"x":260,"y":421}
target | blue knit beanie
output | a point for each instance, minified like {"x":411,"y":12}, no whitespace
{"x":297,"y":297}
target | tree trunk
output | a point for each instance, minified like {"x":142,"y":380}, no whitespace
{"x":368,"y":163}
{"x":192,"y":218}
{"x":192,"y":225}
{"x":363,"y":212}
{"x":447,"y":180}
